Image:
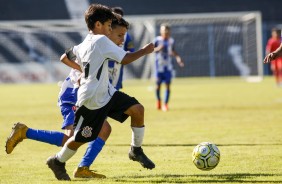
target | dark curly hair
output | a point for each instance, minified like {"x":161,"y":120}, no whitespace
{"x":120,"y":22}
{"x":97,"y":12}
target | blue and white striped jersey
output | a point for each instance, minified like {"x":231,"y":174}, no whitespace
{"x":163,"y":57}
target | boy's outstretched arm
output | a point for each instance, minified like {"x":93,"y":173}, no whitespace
{"x":132,"y":56}
{"x":178,"y":58}
{"x":64,"y":59}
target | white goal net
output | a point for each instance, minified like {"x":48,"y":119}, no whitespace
{"x":211,"y":44}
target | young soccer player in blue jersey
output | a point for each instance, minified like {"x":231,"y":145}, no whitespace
{"x":163,"y":65}
{"x":67,"y":100}
{"x":116,"y":69}
{"x":97,"y":98}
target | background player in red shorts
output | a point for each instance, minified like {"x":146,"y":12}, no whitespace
{"x":276,"y":64}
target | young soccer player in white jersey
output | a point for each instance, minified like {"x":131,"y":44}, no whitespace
{"x":163,"y":65}
{"x":119,"y":29}
{"x":97,"y":98}
{"x":67,"y":100}
{"x":94,"y":147}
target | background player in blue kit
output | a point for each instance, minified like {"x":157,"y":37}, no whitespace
{"x":163,"y":64}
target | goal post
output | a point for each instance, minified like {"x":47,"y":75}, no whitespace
{"x":211,"y":44}
{"x":31,"y":49}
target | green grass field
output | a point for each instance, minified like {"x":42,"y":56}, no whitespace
{"x":243,"y":119}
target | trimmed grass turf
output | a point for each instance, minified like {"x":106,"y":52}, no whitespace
{"x":243,"y":119}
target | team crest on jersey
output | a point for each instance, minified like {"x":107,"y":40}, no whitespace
{"x":86,"y":132}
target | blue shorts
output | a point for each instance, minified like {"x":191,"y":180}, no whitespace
{"x":68,"y":115}
{"x":164,"y":77}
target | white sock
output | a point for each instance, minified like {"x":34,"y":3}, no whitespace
{"x":137,"y":136}
{"x":65,"y":154}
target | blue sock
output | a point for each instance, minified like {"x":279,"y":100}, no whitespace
{"x":51,"y":137}
{"x":167,"y":93}
{"x":92,"y":151}
{"x":158,"y":94}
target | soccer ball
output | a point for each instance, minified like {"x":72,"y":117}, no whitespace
{"x":206,"y":156}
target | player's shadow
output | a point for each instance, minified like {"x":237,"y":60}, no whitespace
{"x":200,"y":178}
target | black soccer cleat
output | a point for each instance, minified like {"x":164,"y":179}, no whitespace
{"x":58,"y":168}
{"x":137,"y":154}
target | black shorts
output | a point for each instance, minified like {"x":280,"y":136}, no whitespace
{"x":88,"y":123}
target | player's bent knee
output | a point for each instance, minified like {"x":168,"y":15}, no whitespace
{"x":107,"y":128}
{"x":138,"y":110}
{"x":135,"y":110}
{"x":65,"y":138}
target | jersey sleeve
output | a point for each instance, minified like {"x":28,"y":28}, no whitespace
{"x":172,"y":44}
{"x":75,"y":76}
{"x":75,"y":49}
{"x":70,"y":54}
{"x":110,"y":50}
{"x":155,"y":41}
{"x":128,"y":43}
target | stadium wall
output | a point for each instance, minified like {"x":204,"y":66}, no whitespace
{"x":211,"y":44}
{"x":58,"y":10}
